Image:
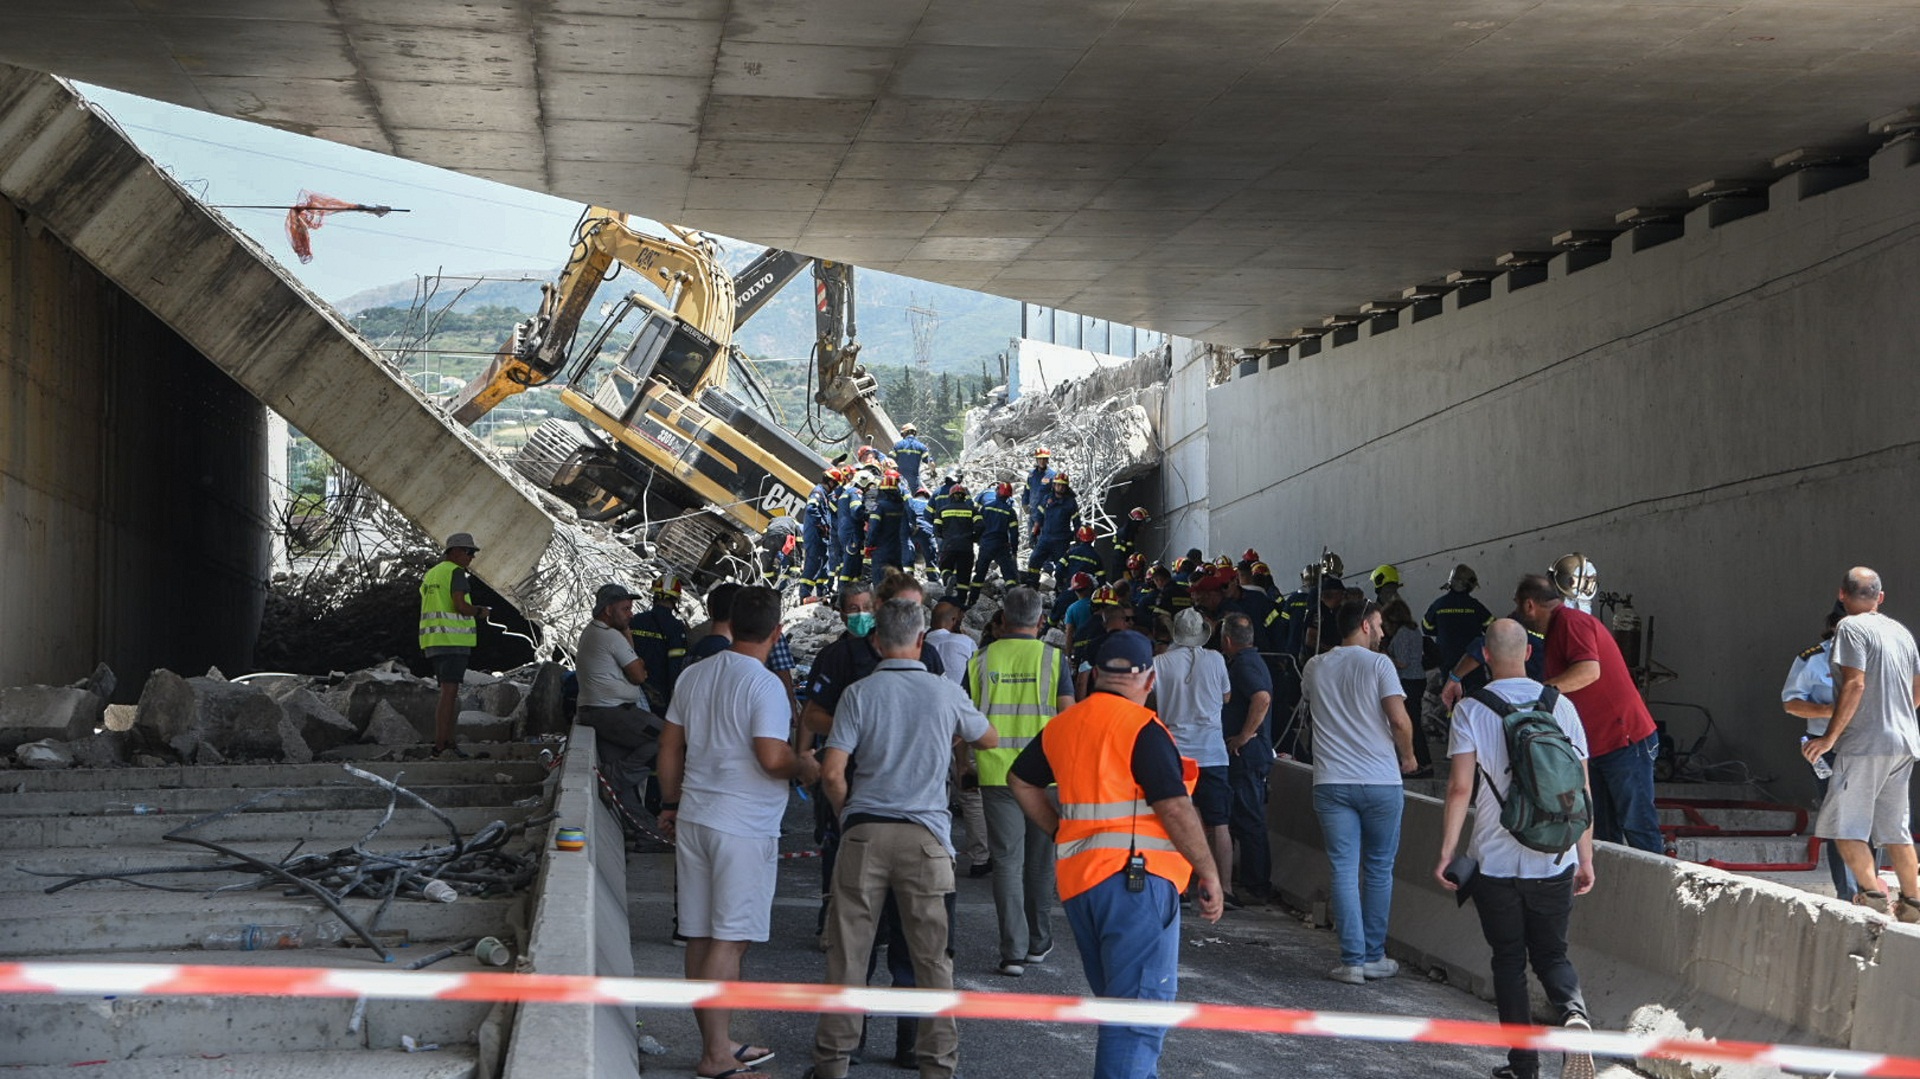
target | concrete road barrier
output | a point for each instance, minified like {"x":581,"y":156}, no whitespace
{"x":1730,"y":955}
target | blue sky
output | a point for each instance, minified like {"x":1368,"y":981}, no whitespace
{"x":457,"y":223}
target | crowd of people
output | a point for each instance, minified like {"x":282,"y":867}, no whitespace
{"x":1108,"y":748}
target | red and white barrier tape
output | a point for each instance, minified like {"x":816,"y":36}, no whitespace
{"x":141,"y":979}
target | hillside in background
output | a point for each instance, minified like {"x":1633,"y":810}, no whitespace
{"x":973,"y":325}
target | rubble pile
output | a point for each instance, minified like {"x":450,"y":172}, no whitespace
{"x":381,"y":712}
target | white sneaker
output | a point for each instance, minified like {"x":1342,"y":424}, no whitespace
{"x":1578,"y":1063}
{"x":1381,"y":968}
{"x":1012,"y":968}
{"x":1036,"y":958}
{"x":1354,"y":975}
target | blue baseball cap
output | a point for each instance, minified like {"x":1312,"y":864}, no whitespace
{"x":1125,"y":652}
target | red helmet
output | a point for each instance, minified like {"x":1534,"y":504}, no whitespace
{"x":1005,"y":490}
{"x":1250,"y":556}
{"x":865,"y":452}
{"x":1105,"y":596}
{"x":1136,"y":561}
{"x":668,"y":585}
{"x":890,"y":480}
{"x":1260,"y":570}
{"x":1085,"y":535}
{"x":1060,"y":479}
{"x":958,"y":490}
{"x":1138,"y":513}
{"x":1043,"y":452}
{"x":919,"y":492}
{"x":1080,"y":581}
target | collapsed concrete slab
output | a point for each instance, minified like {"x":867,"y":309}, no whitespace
{"x":362,"y":692}
{"x":318,"y":725}
{"x":206,"y":720}
{"x":32,"y":713}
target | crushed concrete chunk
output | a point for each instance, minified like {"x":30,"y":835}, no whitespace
{"x":229,"y":719}
{"x":45,"y":753}
{"x":319,"y":727}
{"x":106,"y":749}
{"x":119,"y":717}
{"x":101,"y":683}
{"x":545,"y":701}
{"x":35,"y":713}
{"x":387,"y":727}
{"x":477,"y":726}
{"x":356,"y":697}
{"x":500,"y":698}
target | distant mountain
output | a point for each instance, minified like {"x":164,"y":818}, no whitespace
{"x":972,"y":325}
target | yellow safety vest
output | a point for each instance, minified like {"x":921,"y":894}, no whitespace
{"x":1016,"y":685}
{"x":441,"y":623}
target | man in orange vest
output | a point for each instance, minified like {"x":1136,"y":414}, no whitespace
{"x":1126,"y":841}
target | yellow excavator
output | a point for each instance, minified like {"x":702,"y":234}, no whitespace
{"x":659,"y":437}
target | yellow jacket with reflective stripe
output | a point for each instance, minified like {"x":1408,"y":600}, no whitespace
{"x":1016,"y":685}
{"x":1103,"y":812}
{"x":441,"y":623}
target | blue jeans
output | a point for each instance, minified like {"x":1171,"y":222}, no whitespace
{"x":1361,"y":822}
{"x":1623,"y":796}
{"x":1247,"y":779}
{"x":1130,"y":949}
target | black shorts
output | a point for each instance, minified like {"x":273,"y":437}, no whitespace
{"x":450,"y":667}
{"x":1213,"y":797}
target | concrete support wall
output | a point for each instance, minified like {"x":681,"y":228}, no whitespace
{"x":579,"y":927}
{"x":1183,"y":468}
{"x":1723,"y":423}
{"x":133,"y":495}
{"x":1729,"y":955}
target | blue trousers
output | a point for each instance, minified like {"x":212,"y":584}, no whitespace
{"x":1130,"y":949}
{"x":1623,"y":796}
{"x":995,"y":554}
{"x":1361,"y":822}
{"x":813,"y":572}
{"x":1247,"y":821}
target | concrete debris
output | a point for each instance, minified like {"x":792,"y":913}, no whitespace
{"x":215,"y":674}
{"x":481,"y":726}
{"x":356,"y":698}
{"x":119,"y":717}
{"x":46,"y":753}
{"x":387,"y":727}
{"x":101,"y":683}
{"x":500,"y":698}
{"x":206,"y":720}
{"x":148,"y":760}
{"x":319,"y":726}
{"x":105,"y":749}
{"x":35,"y":713}
{"x":546,"y":704}
{"x":810,"y":629}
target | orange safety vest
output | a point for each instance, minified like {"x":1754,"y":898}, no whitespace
{"x":1103,"y":813}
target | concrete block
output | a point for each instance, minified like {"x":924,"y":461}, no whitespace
{"x":319,"y":726}
{"x":207,"y":719}
{"x":33,"y":713}
{"x":478,"y":726}
{"x":545,"y":706}
{"x":46,"y":753}
{"x":1887,"y":1012}
{"x":101,"y":683}
{"x":388,"y":727}
{"x":119,"y":717}
{"x":501,"y":698}
{"x":105,"y":749}
{"x":356,"y":697}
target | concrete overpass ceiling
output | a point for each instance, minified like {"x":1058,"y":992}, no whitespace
{"x":1228,"y":169}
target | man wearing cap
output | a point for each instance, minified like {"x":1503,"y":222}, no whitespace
{"x":449,"y":632}
{"x":1052,"y":528}
{"x":1039,"y":482}
{"x":999,"y":537}
{"x":1126,"y":841}
{"x":1019,"y":682}
{"x":1081,"y":557}
{"x":1192,"y":689}
{"x":957,"y":524}
{"x":611,"y":700}
{"x":1126,"y":542}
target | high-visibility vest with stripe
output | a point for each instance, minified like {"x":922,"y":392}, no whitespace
{"x":1016,"y":685}
{"x":441,"y":623}
{"x":1103,"y":812}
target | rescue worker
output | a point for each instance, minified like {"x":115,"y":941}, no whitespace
{"x":660,"y":640}
{"x":816,"y":571}
{"x":1127,"y":842}
{"x":1126,"y":542}
{"x":1081,"y":557}
{"x":920,"y":524}
{"x":1039,"y":482}
{"x":1386,"y":584}
{"x":1113,"y":614}
{"x":449,"y":632}
{"x":1076,"y":614}
{"x":1456,"y":618}
{"x":889,"y":538}
{"x":908,"y":455}
{"x":1053,"y":530}
{"x":999,"y":537}
{"x":1146,"y":593}
{"x":846,"y":537}
{"x":958,"y":523}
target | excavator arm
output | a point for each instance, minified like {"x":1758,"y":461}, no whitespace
{"x":845,"y":386}
{"x":686,"y":270}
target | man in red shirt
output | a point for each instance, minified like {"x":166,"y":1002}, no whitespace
{"x":1584,"y":663}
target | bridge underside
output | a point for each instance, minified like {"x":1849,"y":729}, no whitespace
{"x":1227,"y":169}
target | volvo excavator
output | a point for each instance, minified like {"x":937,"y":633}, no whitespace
{"x":660,"y":442}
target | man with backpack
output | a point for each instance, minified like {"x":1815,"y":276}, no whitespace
{"x":1519,"y":757}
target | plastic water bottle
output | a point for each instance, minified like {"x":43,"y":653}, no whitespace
{"x":1820,"y":766}
{"x":131,"y":809}
{"x":256,"y":938}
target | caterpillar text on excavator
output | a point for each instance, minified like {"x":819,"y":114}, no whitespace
{"x":660,"y":445}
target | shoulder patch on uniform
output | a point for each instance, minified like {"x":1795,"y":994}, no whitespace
{"x":1814,"y":651}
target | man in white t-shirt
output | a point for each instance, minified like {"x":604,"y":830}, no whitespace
{"x":1524,"y":897}
{"x":1362,"y":745}
{"x":1190,"y":689}
{"x":725,"y":761}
